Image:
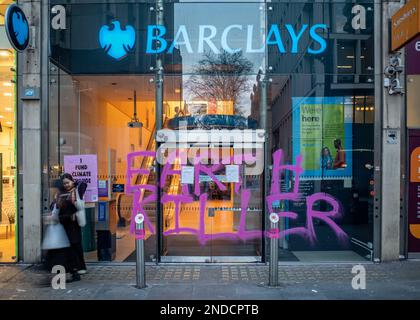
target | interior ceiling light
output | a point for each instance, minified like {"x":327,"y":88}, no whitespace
{"x":4,"y":53}
{"x":7,"y":84}
{"x":7,"y":94}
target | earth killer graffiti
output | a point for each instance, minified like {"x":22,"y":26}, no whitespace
{"x":275,"y":196}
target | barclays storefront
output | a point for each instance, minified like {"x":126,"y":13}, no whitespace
{"x":226,"y":124}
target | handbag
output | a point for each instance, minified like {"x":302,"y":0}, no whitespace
{"x":55,"y":237}
{"x":80,"y":206}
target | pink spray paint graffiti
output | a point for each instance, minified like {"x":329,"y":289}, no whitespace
{"x":275,"y":196}
{"x":187,"y":198}
{"x":137,"y":190}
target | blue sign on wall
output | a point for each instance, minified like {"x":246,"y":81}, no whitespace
{"x":101,"y":211}
{"x":17,"y":27}
{"x":118,"y":187}
{"x":102,"y":188}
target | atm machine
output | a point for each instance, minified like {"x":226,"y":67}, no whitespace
{"x":106,"y":214}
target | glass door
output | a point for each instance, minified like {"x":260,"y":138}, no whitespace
{"x":236,"y":211}
{"x":212,"y":208}
{"x":184,"y":217}
{"x":212,"y":71}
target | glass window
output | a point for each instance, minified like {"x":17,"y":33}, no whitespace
{"x":95,"y":116}
{"x":8,"y":221}
{"x":367,"y":62}
{"x":346,"y":57}
{"x":325,"y":118}
{"x":215,"y":59}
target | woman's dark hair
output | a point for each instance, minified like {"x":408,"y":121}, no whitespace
{"x":62,"y":177}
{"x":325,"y":148}
{"x":66,"y":176}
{"x":338,"y":141}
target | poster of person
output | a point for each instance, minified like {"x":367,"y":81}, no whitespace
{"x":84,"y":168}
{"x":322,"y":135}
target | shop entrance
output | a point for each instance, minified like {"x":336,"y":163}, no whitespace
{"x":217,"y":219}
{"x":92,"y":116}
{"x":319,"y":107}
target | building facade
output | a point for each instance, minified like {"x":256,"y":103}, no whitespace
{"x":214,"y":119}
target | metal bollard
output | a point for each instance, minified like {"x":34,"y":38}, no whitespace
{"x":140,"y":265}
{"x":274,"y":253}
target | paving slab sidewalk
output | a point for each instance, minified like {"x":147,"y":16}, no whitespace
{"x":397,"y":280}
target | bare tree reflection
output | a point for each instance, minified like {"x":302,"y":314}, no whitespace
{"x":220,"y":77}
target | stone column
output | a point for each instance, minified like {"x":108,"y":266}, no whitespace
{"x":391,"y":107}
{"x":29,"y":75}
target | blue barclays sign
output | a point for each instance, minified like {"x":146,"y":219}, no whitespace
{"x":125,"y":38}
{"x":17,"y":27}
{"x":95,"y":39}
{"x":208,"y":32}
{"x":117,"y":41}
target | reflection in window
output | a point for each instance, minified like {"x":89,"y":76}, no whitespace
{"x":367,"y":62}
{"x":221,"y":80}
{"x":220,"y":90}
{"x":364,"y":109}
{"x":346,"y":60}
{"x":339,"y":19}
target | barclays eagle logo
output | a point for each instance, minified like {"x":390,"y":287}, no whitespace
{"x":115,"y":41}
{"x":20,"y":27}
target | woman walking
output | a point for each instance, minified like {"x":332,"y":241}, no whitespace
{"x":66,"y":201}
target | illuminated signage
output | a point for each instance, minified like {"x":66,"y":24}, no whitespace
{"x":117,"y":41}
{"x":405,"y":24}
{"x":17,"y":27}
